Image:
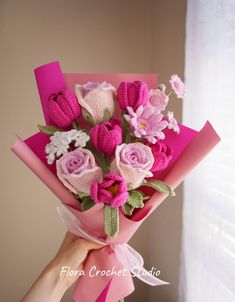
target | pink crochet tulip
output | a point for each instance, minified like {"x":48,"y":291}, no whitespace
{"x":107,"y":136}
{"x":95,"y":99}
{"x":77,"y":170}
{"x":63,"y":108}
{"x":132,"y":94}
{"x":133,"y":162}
{"x":112,"y":191}
{"x":162,"y":156}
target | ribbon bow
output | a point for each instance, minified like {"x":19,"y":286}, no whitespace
{"x":127,"y":256}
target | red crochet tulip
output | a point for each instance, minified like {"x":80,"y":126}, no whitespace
{"x":107,"y":136}
{"x":63,"y":108}
{"x":132,"y":94}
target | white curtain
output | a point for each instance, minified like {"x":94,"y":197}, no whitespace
{"x":208,"y":244}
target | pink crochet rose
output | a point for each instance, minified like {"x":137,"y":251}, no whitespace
{"x":132,"y":94}
{"x":133,"y":162}
{"x":63,"y":108}
{"x":162,"y":156}
{"x":112,"y":191}
{"x":106,"y":136}
{"x":77,"y":170}
{"x":177,"y":86}
{"x":95,"y":99}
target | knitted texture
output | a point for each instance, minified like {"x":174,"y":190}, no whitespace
{"x":162,"y":156}
{"x":96,"y":102}
{"x":146,"y":122}
{"x":107,"y":136}
{"x":132,"y":94}
{"x":77,"y":170}
{"x":112,"y":190}
{"x":133,"y":162}
{"x":63,"y":108}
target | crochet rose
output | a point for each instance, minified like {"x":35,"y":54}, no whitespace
{"x":107,"y":136}
{"x":63,"y":108}
{"x":162,"y":156}
{"x":132,"y":94}
{"x":95,"y":99}
{"x":133,"y":162}
{"x":112,"y":191}
{"x":77,"y":170}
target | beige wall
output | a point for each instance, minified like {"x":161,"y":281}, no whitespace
{"x":85,"y":36}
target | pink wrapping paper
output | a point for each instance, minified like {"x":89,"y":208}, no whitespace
{"x":190,"y":147}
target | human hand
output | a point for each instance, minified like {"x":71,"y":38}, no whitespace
{"x":51,"y":284}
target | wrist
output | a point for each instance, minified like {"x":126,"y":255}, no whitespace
{"x":52,"y":277}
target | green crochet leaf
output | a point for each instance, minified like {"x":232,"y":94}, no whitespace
{"x":111,"y":221}
{"x":135,"y":199}
{"x":159,"y":186}
{"x":49,"y":130}
{"x":107,"y":115}
{"x":145,"y":197}
{"x":126,"y":132}
{"x":82,"y":195}
{"x":99,"y":157}
{"x":86,"y":204}
{"x":127,"y":209}
{"x":89,"y":119}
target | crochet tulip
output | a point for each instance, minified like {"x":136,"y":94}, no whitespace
{"x":112,"y":191}
{"x":107,"y":136}
{"x":63,"y":108}
{"x":132,"y":94}
{"x":162,"y":156}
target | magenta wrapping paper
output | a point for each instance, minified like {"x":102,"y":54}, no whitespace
{"x":190,"y":147}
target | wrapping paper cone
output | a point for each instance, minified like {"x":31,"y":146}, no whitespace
{"x":190,"y":147}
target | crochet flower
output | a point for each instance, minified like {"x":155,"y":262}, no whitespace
{"x":162,"y":156}
{"x":60,"y":143}
{"x":177,"y":86}
{"x":132,"y":94}
{"x":146,"y":123}
{"x":158,"y":99}
{"x":172,"y":122}
{"x":112,"y":190}
{"x":63,"y":108}
{"x":77,"y":170}
{"x":106,"y":136}
{"x":96,"y":99}
{"x":133,"y":162}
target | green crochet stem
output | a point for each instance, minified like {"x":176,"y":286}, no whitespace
{"x":76,"y":126}
{"x":111,"y":221}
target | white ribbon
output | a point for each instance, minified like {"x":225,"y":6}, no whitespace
{"x":128,"y":257}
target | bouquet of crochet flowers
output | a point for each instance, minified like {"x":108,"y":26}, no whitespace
{"x":111,"y":154}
